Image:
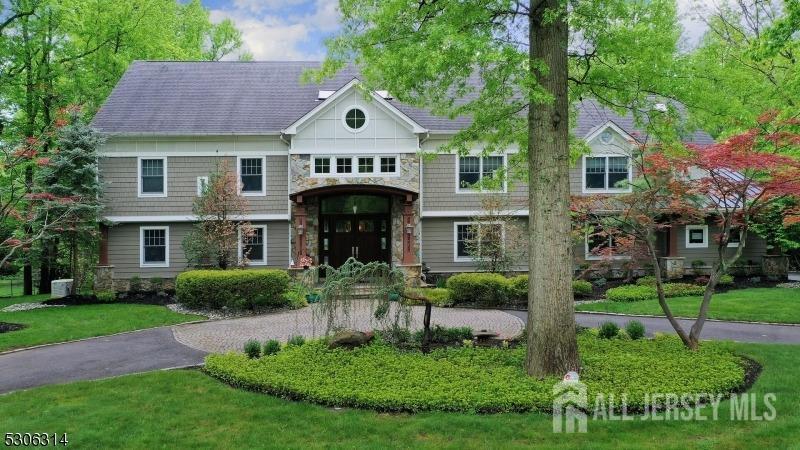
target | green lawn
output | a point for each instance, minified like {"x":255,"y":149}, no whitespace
{"x":756,"y":304}
{"x":10,"y":287}
{"x":188,"y":409}
{"x":68,"y":323}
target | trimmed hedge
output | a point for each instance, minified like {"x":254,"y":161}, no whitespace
{"x":581,"y":288}
{"x":635,"y":292}
{"x":518,"y":288}
{"x":237,"y":289}
{"x":476,"y":379}
{"x":484,"y":289}
{"x":437,"y":296}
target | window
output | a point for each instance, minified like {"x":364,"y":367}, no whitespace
{"x":388,"y":164}
{"x":366,"y":164}
{"x":251,"y":176}
{"x":322,"y":165}
{"x":696,"y":236}
{"x":474,"y":170}
{"x":355,"y":119}
{"x":152,"y":177}
{"x":471,"y":238}
{"x":600,"y":245}
{"x":254,"y":247}
{"x":202,"y":184}
{"x":606,"y":173}
{"x":735,"y":237}
{"x":154,"y":246}
{"x":344,"y":165}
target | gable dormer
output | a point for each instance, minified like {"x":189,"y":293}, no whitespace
{"x":353,"y":120}
{"x":607,"y":169}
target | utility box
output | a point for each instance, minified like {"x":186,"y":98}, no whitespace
{"x":60,"y":288}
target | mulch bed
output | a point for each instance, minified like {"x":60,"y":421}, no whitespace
{"x":6,"y":327}
{"x":144,"y":298}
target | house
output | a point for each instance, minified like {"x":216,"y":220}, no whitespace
{"x":330,"y":171}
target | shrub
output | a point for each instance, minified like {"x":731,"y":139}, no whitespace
{"x":697,"y":266}
{"x":635,"y":329}
{"x":599,"y":282}
{"x":635,"y":293}
{"x":271,"y":347}
{"x":682,"y":290}
{"x":296,"y":341}
{"x":238,"y":289}
{"x":475,"y":379}
{"x":701,"y":281}
{"x":608,"y":330}
{"x":649,"y":280}
{"x":156,"y":284}
{"x":135,"y":284}
{"x":437,"y":296}
{"x":518,"y":287}
{"x":106,"y":296}
{"x":252,"y":349}
{"x":445,"y":335}
{"x":296,"y":296}
{"x":483,"y":289}
{"x":725,"y":280}
{"x":581,"y":288}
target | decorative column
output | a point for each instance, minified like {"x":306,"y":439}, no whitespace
{"x":301,"y":229}
{"x":408,"y":231}
{"x":103,"y":273}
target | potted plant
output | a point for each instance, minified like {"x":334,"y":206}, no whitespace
{"x":312,"y":297}
{"x":306,"y":261}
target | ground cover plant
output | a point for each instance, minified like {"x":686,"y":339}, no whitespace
{"x":639,"y":292}
{"x":380,"y":376}
{"x":752,"y":304}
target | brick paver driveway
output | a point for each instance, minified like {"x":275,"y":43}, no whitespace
{"x":225,"y":335}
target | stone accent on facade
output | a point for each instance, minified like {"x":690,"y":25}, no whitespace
{"x":407,"y":178}
{"x":104,"y":278}
{"x":775,"y":266}
{"x":673,"y":267}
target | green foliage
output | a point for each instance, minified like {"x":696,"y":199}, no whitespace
{"x":581,"y":288}
{"x":635,"y":329}
{"x":239,"y":289}
{"x":697,"y":266}
{"x":483,"y":289}
{"x":437,"y":296}
{"x":725,"y":280}
{"x":271,"y":347}
{"x":637,"y":292}
{"x":156,"y":284}
{"x":445,"y":335}
{"x":296,"y":295}
{"x":252,"y":349}
{"x":648,"y":280}
{"x":106,"y":296}
{"x":608,"y":330}
{"x":379,"y":376}
{"x":296,"y":341}
{"x":135,"y":284}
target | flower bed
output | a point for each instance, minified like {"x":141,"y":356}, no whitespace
{"x":484,"y":380}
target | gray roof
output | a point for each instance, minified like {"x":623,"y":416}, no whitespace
{"x":227,"y":97}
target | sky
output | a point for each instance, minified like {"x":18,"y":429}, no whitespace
{"x":296,"y":29}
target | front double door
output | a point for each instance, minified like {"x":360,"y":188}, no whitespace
{"x":366,"y":238}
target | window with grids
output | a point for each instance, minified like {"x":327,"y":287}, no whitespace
{"x":251,"y":172}
{"x":476,"y":172}
{"x":366,"y":164}
{"x":253,"y":246}
{"x":344,"y":165}
{"x":388,"y":164}
{"x":355,"y":119}
{"x":465,"y":236}
{"x":322,"y":165}
{"x":606,"y":172}
{"x":473,"y":238}
{"x":154,"y":246}
{"x":696,"y":236}
{"x":152,"y":176}
{"x":599,"y":243}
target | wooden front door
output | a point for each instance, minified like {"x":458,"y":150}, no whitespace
{"x":364,"y":237}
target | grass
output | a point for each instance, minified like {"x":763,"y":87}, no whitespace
{"x":58,"y":324}
{"x":10,"y":287}
{"x":755,"y":304}
{"x":190,"y":409}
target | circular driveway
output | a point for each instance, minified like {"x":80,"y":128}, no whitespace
{"x":231,"y":334}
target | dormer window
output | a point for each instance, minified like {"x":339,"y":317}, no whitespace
{"x":606,"y":173}
{"x":355,"y":119}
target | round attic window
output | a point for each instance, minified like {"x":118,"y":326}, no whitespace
{"x":355,"y":118}
{"x":606,"y":137}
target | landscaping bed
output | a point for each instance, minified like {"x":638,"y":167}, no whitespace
{"x":137,"y":298}
{"x":6,"y":327}
{"x":486,"y":380}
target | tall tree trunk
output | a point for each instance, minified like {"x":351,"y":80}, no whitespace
{"x":552,"y":343}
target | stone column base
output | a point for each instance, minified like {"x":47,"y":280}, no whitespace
{"x":775,"y":266}
{"x":104,"y":278}
{"x":673,"y":267}
{"x":412,"y":272}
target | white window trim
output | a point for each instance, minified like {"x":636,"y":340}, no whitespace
{"x":241,"y":247}
{"x":589,"y":256}
{"x":586,"y":190}
{"x":139,"y":177}
{"x":456,"y":257}
{"x":689,"y":228}
{"x":200,"y":181}
{"x":142,"y":263}
{"x":376,"y":166}
{"x":460,"y":190}
{"x":263,"y":191}
{"x":344,"y":118}
{"x":736,"y":244}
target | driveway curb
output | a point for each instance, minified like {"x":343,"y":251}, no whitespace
{"x":600,"y":313}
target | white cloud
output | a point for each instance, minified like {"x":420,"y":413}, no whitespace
{"x":259,"y":6}
{"x":269,"y":38}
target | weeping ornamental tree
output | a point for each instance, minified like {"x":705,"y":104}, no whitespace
{"x":506,"y":65}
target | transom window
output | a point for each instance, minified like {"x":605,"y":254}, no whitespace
{"x":355,"y":118}
{"x":696,"y":236}
{"x":154,"y":246}
{"x":360,"y":165}
{"x":152,"y":177}
{"x":606,"y":173}
{"x":470,"y":238}
{"x":254,"y":246}
{"x":480,"y":173}
{"x":251,"y":175}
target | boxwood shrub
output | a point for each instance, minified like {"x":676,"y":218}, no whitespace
{"x":635,"y":292}
{"x":482,"y":289}
{"x":476,"y":379}
{"x":238,"y":289}
{"x":518,"y":288}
